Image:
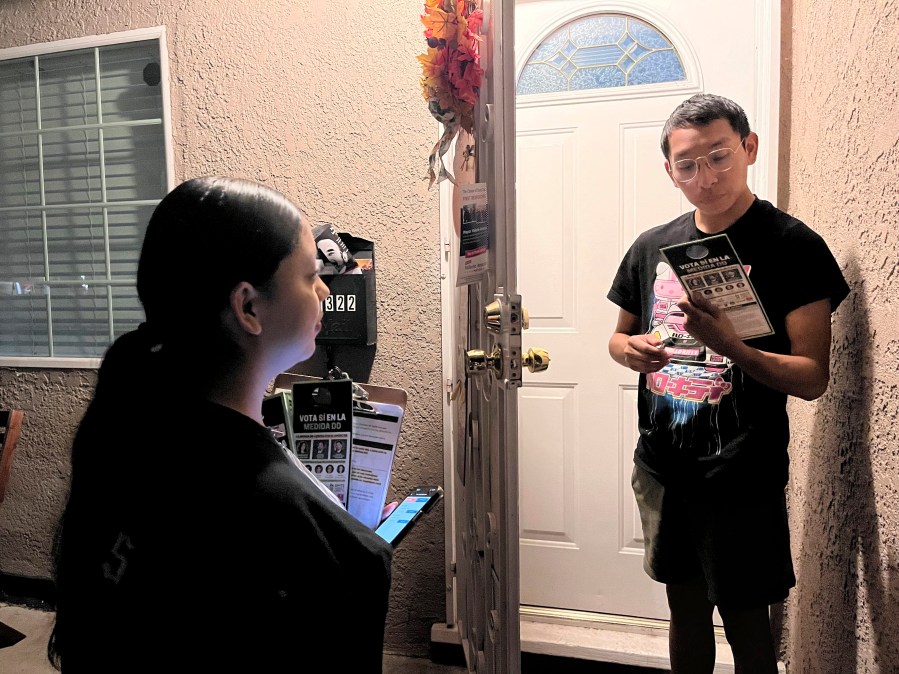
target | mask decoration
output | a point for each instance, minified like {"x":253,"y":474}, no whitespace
{"x":334,"y":256}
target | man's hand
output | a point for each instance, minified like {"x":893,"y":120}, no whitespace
{"x":645,"y":353}
{"x":633,"y":349}
{"x":709,"y":324}
{"x":803,"y":373}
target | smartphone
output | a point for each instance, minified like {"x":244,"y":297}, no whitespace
{"x":407,"y":513}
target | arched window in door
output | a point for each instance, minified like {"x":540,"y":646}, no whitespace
{"x":601,"y":51}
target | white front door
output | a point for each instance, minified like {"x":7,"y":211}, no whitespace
{"x":590,"y":177}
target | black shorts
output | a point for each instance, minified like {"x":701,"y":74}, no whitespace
{"x":741,"y":548}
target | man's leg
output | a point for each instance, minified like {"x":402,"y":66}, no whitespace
{"x":748,"y":632}
{"x":671,"y":558}
{"x":691,"y":636}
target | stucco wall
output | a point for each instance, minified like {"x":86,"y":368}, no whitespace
{"x":321,"y":100}
{"x":840,"y":142}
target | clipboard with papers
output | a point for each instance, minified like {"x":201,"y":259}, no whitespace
{"x":377,"y":418}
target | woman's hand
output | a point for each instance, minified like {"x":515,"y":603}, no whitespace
{"x":387,"y":509}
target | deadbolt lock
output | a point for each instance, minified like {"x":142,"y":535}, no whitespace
{"x":506,"y":315}
{"x":493,"y":316}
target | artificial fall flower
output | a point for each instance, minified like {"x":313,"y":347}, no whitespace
{"x":433,"y":66}
{"x":438,"y":23}
{"x":464,"y":74}
{"x":475,"y":21}
{"x":445,"y":98}
{"x":466,"y":113}
{"x":451,"y":75}
{"x":461,"y":33}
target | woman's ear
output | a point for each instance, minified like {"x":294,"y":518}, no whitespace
{"x":244,"y":305}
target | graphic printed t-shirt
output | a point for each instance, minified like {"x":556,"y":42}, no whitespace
{"x":701,"y":417}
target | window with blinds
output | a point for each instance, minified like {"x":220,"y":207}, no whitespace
{"x":82,"y":165}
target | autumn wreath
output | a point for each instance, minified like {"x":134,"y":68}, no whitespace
{"x":451,"y":73}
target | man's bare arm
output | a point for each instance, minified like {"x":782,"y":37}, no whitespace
{"x":804,"y":372}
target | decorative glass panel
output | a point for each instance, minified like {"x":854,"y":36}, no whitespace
{"x":19,"y":173}
{"x":126,"y":233}
{"x":598,"y":52}
{"x":21,"y":249}
{"x":72,"y":167}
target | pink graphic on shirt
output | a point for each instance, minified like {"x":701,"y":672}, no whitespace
{"x":695,"y":373}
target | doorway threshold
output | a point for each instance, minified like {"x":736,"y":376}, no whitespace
{"x":599,"y":637}
{"x":638,"y":642}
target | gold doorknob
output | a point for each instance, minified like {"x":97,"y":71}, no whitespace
{"x":535,"y":360}
{"x":477,"y":361}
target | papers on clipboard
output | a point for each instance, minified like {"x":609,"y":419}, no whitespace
{"x":376,"y":425}
{"x":376,"y":432}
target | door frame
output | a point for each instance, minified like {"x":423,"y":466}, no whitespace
{"x":766,"y":181}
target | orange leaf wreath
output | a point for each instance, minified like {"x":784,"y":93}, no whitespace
{"x":451,"y":72}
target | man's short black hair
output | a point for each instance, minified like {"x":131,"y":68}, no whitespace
{"x":703,"y":109}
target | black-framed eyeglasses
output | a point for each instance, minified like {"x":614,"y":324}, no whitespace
{"x":719,"y":161}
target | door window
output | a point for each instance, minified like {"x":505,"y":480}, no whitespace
{"x":601,"y":51}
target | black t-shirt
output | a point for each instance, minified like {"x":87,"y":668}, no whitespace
{"x":707,"y":421}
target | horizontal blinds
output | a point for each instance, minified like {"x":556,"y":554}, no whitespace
{"x":82,"y":165}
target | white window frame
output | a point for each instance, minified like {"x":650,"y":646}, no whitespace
{"x":43,"y":49}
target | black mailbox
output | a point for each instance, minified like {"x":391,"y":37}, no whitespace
{"x":350,"y":311}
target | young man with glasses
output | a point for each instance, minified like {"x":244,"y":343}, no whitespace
{"x":710,"y":466}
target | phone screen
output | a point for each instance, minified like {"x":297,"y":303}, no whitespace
{"x":407,"y":512}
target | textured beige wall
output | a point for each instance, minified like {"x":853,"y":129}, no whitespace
{"x":319,"y":99}
{"x":840,"y":144}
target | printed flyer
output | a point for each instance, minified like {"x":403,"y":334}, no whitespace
{"x":711,"y":268}
{"x":474,"y":238}
{"x":322,"y":430}
{"x":347,"y":441}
